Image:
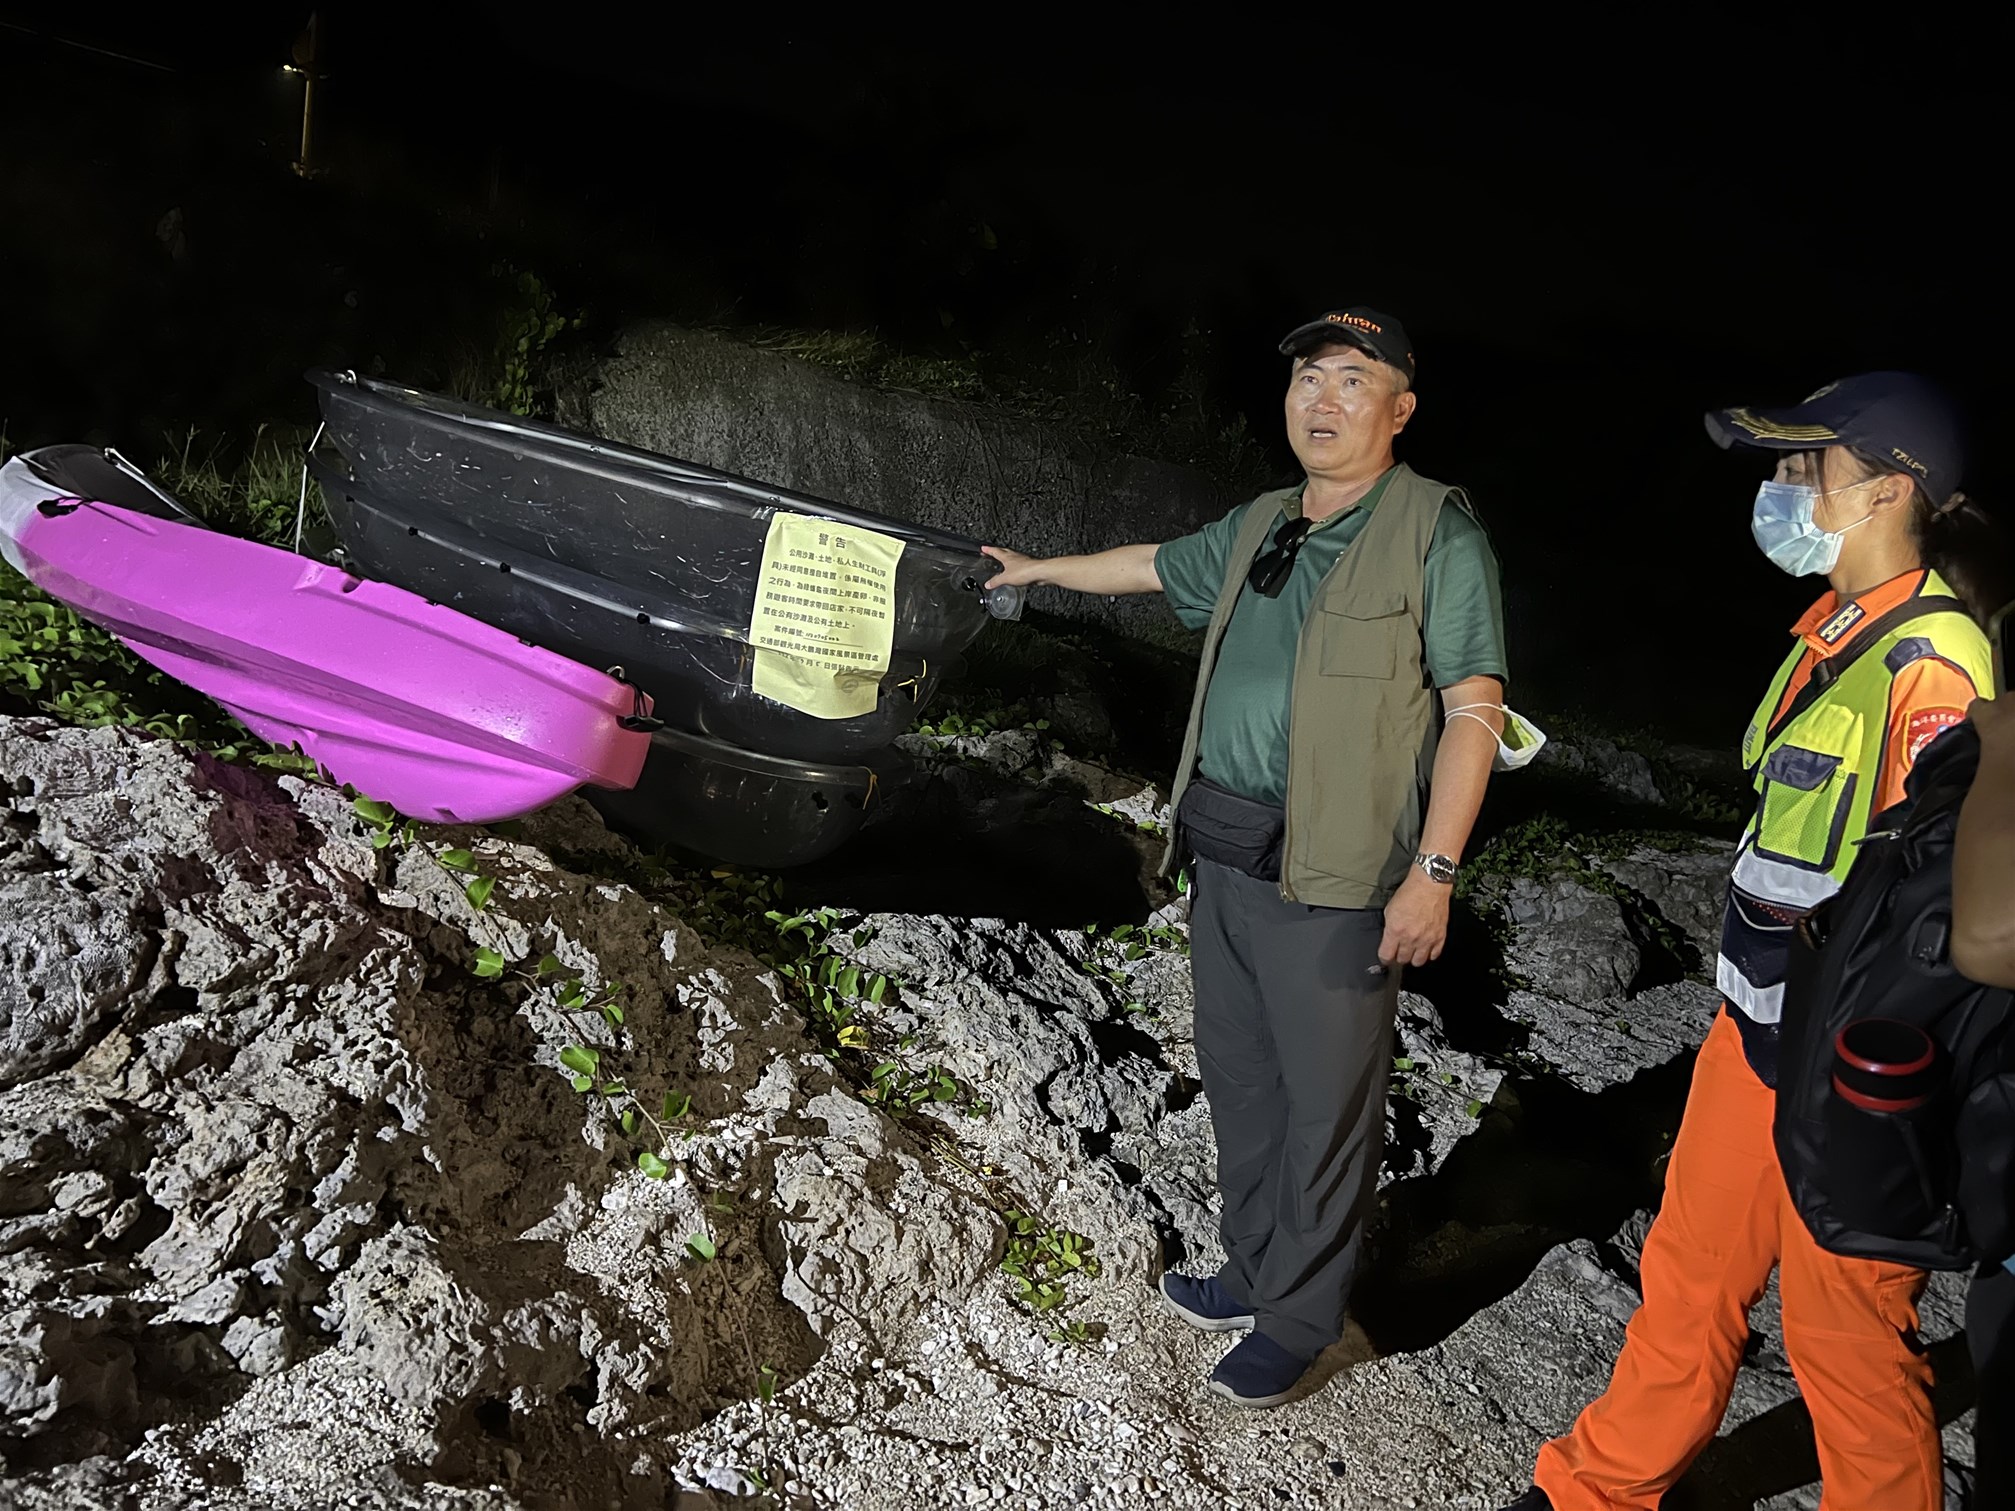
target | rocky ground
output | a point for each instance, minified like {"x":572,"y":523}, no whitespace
{"x":300,"y":1205}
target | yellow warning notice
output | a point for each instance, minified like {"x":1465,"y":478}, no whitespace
{"x":825,"y":615}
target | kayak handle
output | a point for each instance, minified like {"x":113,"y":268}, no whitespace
{"x":638,"y":720}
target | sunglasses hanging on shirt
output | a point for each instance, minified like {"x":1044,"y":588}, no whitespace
{"x":1272,"y":567}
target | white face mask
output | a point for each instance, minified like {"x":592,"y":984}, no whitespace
{"x":1520,"y":741}
{"x":1783,"y":526}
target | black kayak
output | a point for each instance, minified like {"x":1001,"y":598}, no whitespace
{"x":702,"y":798}
{"x":619,"y":557}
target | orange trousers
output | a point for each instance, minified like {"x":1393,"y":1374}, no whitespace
{"x":1850,"y":1327}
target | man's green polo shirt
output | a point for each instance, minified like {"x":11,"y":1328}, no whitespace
{"x":1243,"y":743}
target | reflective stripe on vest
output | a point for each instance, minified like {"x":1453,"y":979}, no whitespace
{"x":1815,"y":780}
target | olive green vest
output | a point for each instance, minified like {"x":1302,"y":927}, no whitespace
{"x":1362,"y":724}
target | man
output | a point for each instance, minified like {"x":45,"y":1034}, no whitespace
{"x":1323,"y":858}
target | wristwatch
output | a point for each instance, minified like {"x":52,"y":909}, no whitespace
{"x":1438,"y":868}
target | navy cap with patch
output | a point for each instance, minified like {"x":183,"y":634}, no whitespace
{"x":1360,"y":326}
{"x":1898,"y":418}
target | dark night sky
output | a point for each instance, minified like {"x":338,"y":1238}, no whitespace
{"x":1594,"y":230}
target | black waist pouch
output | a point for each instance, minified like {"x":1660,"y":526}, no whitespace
{"x":1216,"y":824}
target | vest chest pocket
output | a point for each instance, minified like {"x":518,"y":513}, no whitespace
{"x":1362,"y":634}
{"x":1807,"y":796}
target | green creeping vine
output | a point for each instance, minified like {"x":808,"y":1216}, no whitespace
{"x":806,"y":951}
{"x":1404,"y":1085}
{"x":1119,"y":948}
{"x":984,"y":721}
{"x":587,"y":1074}
{"x":1145,"y":825}
{"x":1039,"y":1257}
{"x":1545,"y":847}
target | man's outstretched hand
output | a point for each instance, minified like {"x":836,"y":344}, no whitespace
{"x":1016,"y":570}
{"x":1416,"y":921}
{"x":1122,"y":569}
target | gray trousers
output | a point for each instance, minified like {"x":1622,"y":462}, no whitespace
{"x":1294,"y":1034}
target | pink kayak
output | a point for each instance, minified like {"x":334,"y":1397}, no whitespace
{"x":443,"y":717}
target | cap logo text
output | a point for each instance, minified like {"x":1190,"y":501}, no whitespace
{"x":1909,"y":461}
{"x":1357,"y":320}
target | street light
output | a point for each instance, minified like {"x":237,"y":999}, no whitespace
{"x":306,"y":66}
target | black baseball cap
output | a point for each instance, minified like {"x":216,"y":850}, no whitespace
{"x":1360,"y":326}
{"x":1898,"y":417}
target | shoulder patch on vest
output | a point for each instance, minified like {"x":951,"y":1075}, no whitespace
{"x":1926,"y":725}
{"x":1910,"y":648}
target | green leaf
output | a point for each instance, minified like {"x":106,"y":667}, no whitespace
{"x":877,"y":987}
{"x":575,"y":995}
{"x":613,"y":1011}
{"x":478,"y":892}
{"x":550,"y":965}
{"x":766,"y":1383}
{"x":1474,"y":1109}
{"x":850,"y":982}
{"x":583,"y":1083}
{"x":380,"y":838}
{"x":630,"y":1120}
{"x":1401,"y":1062}
{"x":677,"y":1105}
{"x":457,"y":860}
{"x":578,"y":1057}
{"x":380,"y":815}
{"x":701,"y":1247}
{"x":652,"y":1165}
{"x":853,"y":1036}
{"x":489,"y":962}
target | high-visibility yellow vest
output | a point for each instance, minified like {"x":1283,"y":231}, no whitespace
{"x":1816,"y":773}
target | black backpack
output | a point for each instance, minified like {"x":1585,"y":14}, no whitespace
{"x":1895,"y":1118}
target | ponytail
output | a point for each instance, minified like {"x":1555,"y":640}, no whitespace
{"x":1962,"y":543}
{"x":1958,"y":540}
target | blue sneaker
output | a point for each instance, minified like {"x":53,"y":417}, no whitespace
{"x":1258,"y":1372}
{"x":1204,"y":1303}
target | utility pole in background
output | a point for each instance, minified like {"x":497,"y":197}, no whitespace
{"x":307,"y":65}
